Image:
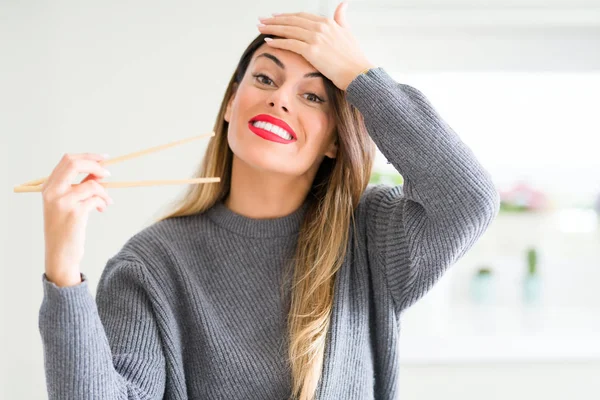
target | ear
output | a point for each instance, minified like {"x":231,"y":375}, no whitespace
{"x":228,"y":110}
{"x":333,"y":148}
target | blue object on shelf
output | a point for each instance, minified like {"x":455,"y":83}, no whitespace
{"x":482,"y":287}
{"x":532,"y":287}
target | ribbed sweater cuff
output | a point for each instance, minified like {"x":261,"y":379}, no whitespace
{"x":66,"y":303}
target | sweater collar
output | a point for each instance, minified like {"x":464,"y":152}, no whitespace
{"x":257,"y":227}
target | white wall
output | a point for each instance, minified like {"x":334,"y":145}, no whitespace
{"x":117,"y":76}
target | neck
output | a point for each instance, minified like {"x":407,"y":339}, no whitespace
{"x":265,"y":194}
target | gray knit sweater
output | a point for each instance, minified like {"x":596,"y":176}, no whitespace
{"x":191,"y":307}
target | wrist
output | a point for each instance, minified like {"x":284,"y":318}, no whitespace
{"x":64,"y":280}
{"x":62,"y":272}
{"x":358,"y":70}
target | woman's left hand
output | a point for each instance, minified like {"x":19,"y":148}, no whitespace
{"x":324,"y":42}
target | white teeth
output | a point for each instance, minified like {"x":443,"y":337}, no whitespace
{"x":282,"y":133}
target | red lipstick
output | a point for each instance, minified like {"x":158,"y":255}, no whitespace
{"x":265,"y":134}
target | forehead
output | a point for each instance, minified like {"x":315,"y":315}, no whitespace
{"x":283,"y":59}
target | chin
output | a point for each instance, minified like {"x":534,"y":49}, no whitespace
{"x":262,"y":155}
{"x":258,"y":159}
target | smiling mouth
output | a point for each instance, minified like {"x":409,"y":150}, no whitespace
{"x":275,"y":125}
{"x":268,"y":132}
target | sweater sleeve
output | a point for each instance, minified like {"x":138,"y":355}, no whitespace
{"x":416,"y":230}
{"x":108,"y":349}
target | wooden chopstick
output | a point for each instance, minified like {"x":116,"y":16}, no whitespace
{"x":36,"y":185}
{"x":38,"y":188}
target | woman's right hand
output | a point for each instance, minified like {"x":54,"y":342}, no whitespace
{"x":66,"y":210}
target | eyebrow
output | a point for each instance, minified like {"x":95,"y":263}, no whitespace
{"x":280,"y":65}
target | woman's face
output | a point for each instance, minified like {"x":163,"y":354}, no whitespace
{"x":275,"y":86}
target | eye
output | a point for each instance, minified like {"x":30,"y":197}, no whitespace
{"x":258,"y":76}
{"x":267,"y":81}
{"x":314,"y":96}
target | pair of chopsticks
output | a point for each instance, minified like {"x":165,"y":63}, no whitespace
{"x":36,"y":185}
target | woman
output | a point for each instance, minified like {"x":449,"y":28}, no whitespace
{"x":199,"y":304}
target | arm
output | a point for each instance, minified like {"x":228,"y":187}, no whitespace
{"x":111,"y":350}
{"x":417,"y":230}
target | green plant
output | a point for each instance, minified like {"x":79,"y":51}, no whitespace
{"x":484,"y":271}
{"x":532,"y":261}
{"x":386,"y":177}
{"x":506,"y":207}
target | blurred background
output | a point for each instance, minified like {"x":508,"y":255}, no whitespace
{"x":518,"y":317}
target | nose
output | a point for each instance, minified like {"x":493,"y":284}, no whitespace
{"x":272,"y":104}
{"x":279,"y":98}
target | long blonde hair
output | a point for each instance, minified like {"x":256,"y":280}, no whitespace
{"x":324,"y":233}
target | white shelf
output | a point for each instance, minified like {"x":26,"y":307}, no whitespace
{"x":448,"y":326}
{"x":481,"y":334}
